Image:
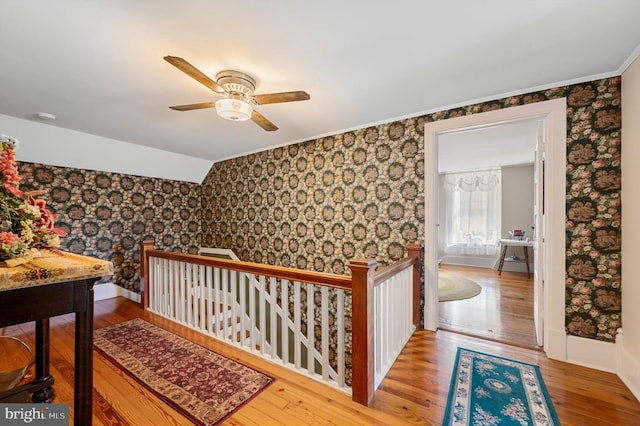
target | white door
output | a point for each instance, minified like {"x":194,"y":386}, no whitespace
{"x":538,"y":246}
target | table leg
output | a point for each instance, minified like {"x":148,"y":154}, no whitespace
{"x":83,"y":380}
{"x":526,"y":260}
{"x":42,"y":362}
{"x":503,"y":253}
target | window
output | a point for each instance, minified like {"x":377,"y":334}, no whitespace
{"x":473,"y":204}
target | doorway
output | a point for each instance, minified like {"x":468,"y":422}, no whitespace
{"x":549,"y":293}
{"x":487,"y":188}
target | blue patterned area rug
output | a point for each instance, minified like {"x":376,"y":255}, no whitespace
{"x":489,"y":390}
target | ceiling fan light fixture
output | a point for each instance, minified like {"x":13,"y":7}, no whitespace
{"x":234,"y":109}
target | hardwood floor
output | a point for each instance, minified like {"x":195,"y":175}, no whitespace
{"x":414,"y":392}
{"x":503,"y":311}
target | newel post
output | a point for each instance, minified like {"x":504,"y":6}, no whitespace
{"x":362,"y":278}
{"x":145,"y":246}
{"x":414,"y":250}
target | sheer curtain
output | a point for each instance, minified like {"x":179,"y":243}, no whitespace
{"x":473,"y":208}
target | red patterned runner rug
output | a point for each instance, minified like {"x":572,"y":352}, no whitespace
{"x":203,"y":385}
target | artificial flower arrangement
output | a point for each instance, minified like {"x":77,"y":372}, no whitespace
{"x":26,"y":225}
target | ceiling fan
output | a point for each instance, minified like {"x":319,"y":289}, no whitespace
{"x":237,"y":91}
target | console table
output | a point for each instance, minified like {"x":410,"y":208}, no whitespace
{"x":514,"y":243}
{"x":53,"y":284}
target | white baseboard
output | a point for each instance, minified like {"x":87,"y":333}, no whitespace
{"x":628,"y":366}
{"x":580,"y":351}
{"x":477,"y":261}
{"x":110,"y":290}
{"x":591,"y":353}
{"x":485,"y":262}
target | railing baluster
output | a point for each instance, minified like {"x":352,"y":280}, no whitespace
{"x":324,"y":306}
{"x":215,"y":301}
{"x":273,"y":320}
{"x":340,"y":349}
{"x":184,"y":294}
{"x":162,"y":284}
{"x":284,"y":303}
{"x":171,"y":284}
{"x":403,"y":302}
{"x":151,"y":288}
{"x":182,"y":298}
{"x":249,"y":279}
{"x":197,"y":313}
{"x":200,"y":277}
{"x":297,"y":319}
{"x":311,"y":322}
{"x":153,"y":293}
{"x":167,"y":279}
{"x":209,"y":302}
{"x":242,"y":286}
{"x":234,"y":306}
{"x":378,"y":326}
{"x":189,"y":292}
{"x":224,"y":301}
{"x":177,"y":297}
{"x":263,"y":313}
{"x":170,"y":288}
{"x":390,"y":323}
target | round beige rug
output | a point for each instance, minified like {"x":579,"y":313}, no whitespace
{"x":455,"y":287}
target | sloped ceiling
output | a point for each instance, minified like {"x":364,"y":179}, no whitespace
{"x":98,"y":67}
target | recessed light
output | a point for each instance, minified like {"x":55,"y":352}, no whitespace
{"x":45,"y":116}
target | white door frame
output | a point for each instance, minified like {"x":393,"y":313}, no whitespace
{"x":553,"y":116}
{"x":538,"y":223}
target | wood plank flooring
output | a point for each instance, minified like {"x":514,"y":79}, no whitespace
{"x":414,"y":392}
{"x":503,"y":311}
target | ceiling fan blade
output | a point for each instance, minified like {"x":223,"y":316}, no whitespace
{"x":274,"y":98}
{"x":262,"y":121}
{"x":193,"y":106}
{"x":194,"y":73}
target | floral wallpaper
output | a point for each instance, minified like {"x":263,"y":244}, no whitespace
{"x":106,"y":215}
{"x":318,"y":204}
{"x":594,"y":210}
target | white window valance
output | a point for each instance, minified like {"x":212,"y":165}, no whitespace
{"x":484,"y":180}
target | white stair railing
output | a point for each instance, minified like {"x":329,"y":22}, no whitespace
{"x":289,"y":329}
{"x":293,"y":317}
{"x":249,"y":311}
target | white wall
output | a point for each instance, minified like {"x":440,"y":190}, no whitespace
{"x":517,"y":210}
{"x":629,"y":358}
{"x":517,"y":199}
{"x":56,"y":146}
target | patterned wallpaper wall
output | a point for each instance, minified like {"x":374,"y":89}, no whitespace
{"x":106,"y":215}
{"x":318,"y":204}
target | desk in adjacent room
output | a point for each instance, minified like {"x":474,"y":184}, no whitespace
{"x":54,"y":284}
{"x":515,"y":243}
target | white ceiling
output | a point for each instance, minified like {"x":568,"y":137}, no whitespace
{"x":97,"y":65}
{"x":501,"y":145}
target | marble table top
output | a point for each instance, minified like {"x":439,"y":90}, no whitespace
{"x":53,"y":267}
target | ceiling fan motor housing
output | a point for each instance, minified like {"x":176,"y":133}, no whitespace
{"x":236,"y":83}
